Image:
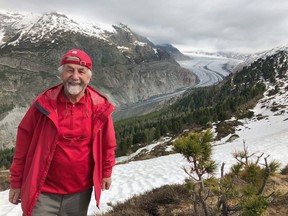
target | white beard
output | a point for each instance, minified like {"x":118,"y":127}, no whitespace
{"x":74,"y":89}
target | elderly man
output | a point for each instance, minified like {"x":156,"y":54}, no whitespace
{"x":65,"y":145}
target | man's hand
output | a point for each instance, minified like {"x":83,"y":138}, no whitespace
{"x":106,"y":182}
{"x":14,"y":195}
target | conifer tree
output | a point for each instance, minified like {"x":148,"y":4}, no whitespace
{"x":242,"y":190}
{"x":196,"y":148}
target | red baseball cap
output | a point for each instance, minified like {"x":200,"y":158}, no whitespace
{"x":83,"y":57}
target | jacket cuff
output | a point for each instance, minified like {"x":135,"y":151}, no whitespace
{"x":15,"y":185}
{"x":107,"y":174}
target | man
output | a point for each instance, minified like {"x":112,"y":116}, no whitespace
{"x":65,"y":145}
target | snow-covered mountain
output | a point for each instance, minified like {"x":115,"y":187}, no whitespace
{"x":248,"y":59}
{"x":43,"y":38}
{"x":127,"y":67}
{"x":37,"y":27}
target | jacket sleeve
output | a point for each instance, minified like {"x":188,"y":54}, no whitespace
{"x":108,"y":149}
{"x":23,"y":139}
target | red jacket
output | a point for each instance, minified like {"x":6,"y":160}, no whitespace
{"x":37,"y":138}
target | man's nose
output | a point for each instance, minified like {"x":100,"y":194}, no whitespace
{"x":75,"y":75}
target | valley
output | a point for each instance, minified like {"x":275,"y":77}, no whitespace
{"x":209,"y":71}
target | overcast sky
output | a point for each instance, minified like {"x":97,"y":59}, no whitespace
{"x":228,"y":25}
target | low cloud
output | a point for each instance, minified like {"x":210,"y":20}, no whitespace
{"x":238,"y":25}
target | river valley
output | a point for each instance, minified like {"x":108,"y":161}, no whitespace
{"x":209,"y":70}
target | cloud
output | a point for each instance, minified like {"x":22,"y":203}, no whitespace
{"x":238,"y":25}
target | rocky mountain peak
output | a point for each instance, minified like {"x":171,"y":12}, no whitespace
{"x":36,"y":27}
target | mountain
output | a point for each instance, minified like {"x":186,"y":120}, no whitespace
{"x":127,"y":67}
{"x":173,"y":51}
{"x":249,"y":59}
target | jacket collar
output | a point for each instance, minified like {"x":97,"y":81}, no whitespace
{"x":48,"y":100}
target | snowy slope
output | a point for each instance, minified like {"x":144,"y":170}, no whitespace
{"x":267,"y":135}
{"x":260,"y":55}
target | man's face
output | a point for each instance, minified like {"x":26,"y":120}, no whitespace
{"x":75,"y":78}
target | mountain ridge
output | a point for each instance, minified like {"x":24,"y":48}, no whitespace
{"x":121,"y":47}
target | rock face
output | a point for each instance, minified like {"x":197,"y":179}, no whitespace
{"x":127,"y":67}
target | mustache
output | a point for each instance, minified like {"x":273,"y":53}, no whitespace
{"x":74,"y":82}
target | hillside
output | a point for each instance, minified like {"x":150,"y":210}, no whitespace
{"x":263,"y":131}
{"x":199,"y":107}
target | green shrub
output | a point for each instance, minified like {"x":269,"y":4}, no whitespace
{"x":6,"y":157}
